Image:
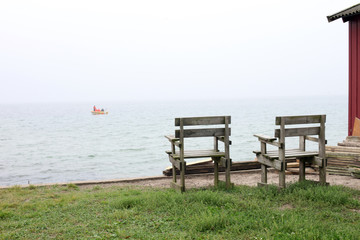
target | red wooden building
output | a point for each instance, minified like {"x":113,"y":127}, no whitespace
{"x":352,"y":15}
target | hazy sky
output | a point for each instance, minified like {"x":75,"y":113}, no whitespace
{"x":124,"y":50}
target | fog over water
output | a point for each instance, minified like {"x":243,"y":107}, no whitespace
{"x":148,"y":62}
{"x":94,"y":51}
{"x":47,"y":143}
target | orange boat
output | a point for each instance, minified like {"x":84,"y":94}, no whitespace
{"x":99,"y":112}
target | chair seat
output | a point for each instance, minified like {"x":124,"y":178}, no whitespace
{"x":198,"y":154}
{"x":291,"y":153}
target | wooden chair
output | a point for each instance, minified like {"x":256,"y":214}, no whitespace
{"x":177,"y":156}
{"x":278,"y":158}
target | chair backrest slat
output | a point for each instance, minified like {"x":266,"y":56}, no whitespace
{"x":299,"y":119}
{"x":191,"y":121}
{"x":294,"y":132}
{"x":203,"y":132}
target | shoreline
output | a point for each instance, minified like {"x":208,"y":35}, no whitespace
{"x":247,"y":177}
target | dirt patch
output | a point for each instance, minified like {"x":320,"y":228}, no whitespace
{"x":286,"y":207}
{"x":355,"y":210}
{"x":248,"y":178}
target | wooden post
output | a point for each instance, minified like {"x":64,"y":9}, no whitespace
{"x":322,"y":169}
{"x":173,"y":166}
{"x":227,"y":152}
{"x":263,"y":166}
{"x":182,"y":161}
{"x":282,"y":153}
{"x":216,"y":163}
{"x":301,"y":160}
{"x":216,"y":172}
{"x":263,"y":174}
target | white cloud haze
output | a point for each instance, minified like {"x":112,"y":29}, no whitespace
{"x":125,"y":50}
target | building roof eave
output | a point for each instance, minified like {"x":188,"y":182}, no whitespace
{"x":345,"y":14}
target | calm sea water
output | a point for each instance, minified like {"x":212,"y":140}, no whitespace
{"x":48,"y":143}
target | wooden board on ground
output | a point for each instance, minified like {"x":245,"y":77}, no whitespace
{"x":207,"y":166}
{"x":343,"y":157}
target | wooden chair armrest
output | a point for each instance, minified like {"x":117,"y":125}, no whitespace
{"x":265,"y":138}
{"x":268,"y":140}
{"x":313,"y":139}
{"x":174,"y":141}
{"x":172,"y":138}
{"x":222,"y":139}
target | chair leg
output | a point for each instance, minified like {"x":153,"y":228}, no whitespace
{"x":174,"y":173}
{"x":301,"y":170}
{"x":322,"y":175}
{"x":263,"y":174}
{"x":216,"y":172}
{"x":182,"y":176}
{"x":282,"y":179}
{"x":227,"y":173}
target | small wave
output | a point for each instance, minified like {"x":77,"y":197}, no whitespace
{"x":132,"y":149}
{"x":91,"y":156}
{"x":49,"y":170}
{"x":21,"y":176}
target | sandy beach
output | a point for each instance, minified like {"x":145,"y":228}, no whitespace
{"x":249,"y":178}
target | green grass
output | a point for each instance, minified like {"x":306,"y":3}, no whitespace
{"x":302,"y":211}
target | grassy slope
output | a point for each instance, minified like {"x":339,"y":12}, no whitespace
{"x":302,"y":211}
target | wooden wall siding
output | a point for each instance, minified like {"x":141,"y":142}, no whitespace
{"x":354,"y":72}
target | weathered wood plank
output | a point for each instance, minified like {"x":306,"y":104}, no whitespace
{"x":342,"y":162}
{"x":322,"y":151}
{"x":301,"y":170}
{"x":353,"y":155}
{"x":199,"y":154}
{"x":212,"y":120}
{"x":257,"y":152}
{"x":282,"y":155}
{"x":204,"y":132}
{"x":299,"y":119}
{"x":276,"y":144}
{"x":342,"y":149}
{"x":294,"y":132}
{"x":263,"y":173}
{"x":175,"y":162}
{"x":319,"y":161}
{"x":349,"y":144}
{"x":209,"y":167}
{"x":313,"y":139}
{"x":222,"y":139}
{"x":223,"y":162}
{"x":264,"y":137}
{"x":227,"y":153}
{"x":172,"y":138}
{"x":216,"y":173}
{"x":271,"y":163}
{"x":296,"y":153}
